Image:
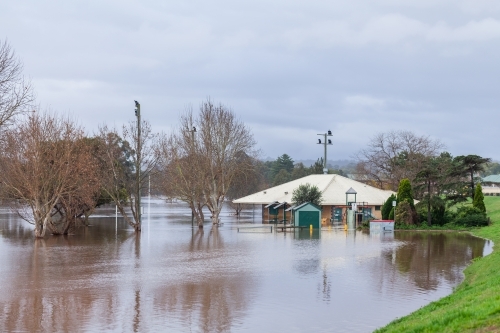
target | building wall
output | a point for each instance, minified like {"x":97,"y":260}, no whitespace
{"x":491,"y":191}
{"x":266,"y":218}
{"x":326,"y":213}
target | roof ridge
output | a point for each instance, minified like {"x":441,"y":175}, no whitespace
{"x":329,"y":183}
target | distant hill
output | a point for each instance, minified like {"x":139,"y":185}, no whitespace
{"x":335,"y":164}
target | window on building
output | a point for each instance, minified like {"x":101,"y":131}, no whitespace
{"x":377,"y":207}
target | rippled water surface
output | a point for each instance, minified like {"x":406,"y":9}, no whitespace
{"x":178,"y":279}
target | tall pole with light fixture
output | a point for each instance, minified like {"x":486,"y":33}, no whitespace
{"x":138,"y":163}
{"x":325,"y":143}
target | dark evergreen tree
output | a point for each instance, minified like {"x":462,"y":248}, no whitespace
{"x":317,"y":167}
{"x":387,"y":207}
{"x":471,"y":165}
{"x":284,"y":162}
{"x":429,"y":177}
{"x":282,"y":177}
{"x":406,"y":213}
{"x":405,"y":193}
{"x":391,"y":214}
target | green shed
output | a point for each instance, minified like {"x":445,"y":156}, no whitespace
{"x":306,"y":215}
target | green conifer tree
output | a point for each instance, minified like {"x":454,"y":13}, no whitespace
{"x":391,"y":214}
{"x":405,"y":192}
{"x":387,"y":207}
{"x":478,"y":201}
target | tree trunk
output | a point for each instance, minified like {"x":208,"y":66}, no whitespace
{"x":200,"y":217}
{"x":429,"y":203}
{"x":136,"y":226}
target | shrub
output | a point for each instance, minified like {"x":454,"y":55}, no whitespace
{"x":403,"y":213}
{"x":469,"y":216}
{"x":439,"y":214}
{"x":474,"y":220}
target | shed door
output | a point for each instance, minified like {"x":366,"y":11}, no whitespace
{"x":308,"y":218}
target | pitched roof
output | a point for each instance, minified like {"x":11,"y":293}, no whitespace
{"x":333,"y":188}
{"x":305,"y":204}
{"x":492,"y":179}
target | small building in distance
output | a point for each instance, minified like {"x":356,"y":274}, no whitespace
{"x":338,"y":195}
{"x":491,"y":185}
{"x":306,"y":215}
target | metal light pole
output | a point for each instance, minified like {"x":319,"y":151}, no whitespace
{"x":138,"y":164}
{"x":325,"y":143}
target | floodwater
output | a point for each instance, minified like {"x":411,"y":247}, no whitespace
{"x":175,"y":278}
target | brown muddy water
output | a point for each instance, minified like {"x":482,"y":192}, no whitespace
{"x":173,"y":278}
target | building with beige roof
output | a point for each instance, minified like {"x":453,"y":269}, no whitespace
{"x":335,"y":202}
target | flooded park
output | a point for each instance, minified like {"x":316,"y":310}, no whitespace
{"x":237,"y":277}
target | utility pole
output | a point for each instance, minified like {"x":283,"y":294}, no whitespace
{"x":138,"y":163}
{"x":325,"y":143}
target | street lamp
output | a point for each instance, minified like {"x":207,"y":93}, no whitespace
{"x":325,"y":143}
{"x":138,"y":163}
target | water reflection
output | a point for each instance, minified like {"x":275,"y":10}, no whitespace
{"x":177,"y":278}
{"x":428,"y":257}
{"x":63,"y":282}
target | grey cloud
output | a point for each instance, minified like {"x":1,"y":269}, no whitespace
{"x":289,"y":69}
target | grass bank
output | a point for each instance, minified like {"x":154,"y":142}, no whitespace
{"x":475,"y":304}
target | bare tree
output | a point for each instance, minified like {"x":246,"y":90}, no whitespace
{"x":181,"y":174}
{"x":203,"y":158}
{"x":222,"y":137}
{"x":79,"y":205}
{"x":395,"y":155}
{"x":44,"y":164}
{"x":122,"y":159}
{"x":16,"y":93}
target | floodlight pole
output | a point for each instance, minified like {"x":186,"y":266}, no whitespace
{"x":138,"y":165}
{"x":325,"y":143}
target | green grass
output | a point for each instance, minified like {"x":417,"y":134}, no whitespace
{"x":475,"y":304}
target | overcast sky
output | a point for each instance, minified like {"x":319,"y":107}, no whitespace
{"x":289,"y":69}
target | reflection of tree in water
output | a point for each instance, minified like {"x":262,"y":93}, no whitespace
{"x":45,"y":297}
{"x":307,"y":266}
{"x":58,"y":292}
{"x":214,"y":299}
{"x":306,"y":251}
{"x":426,"y":257}
{"x":325,"y":288}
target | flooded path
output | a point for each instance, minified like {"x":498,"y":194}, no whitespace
{"x":179,"y":279}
